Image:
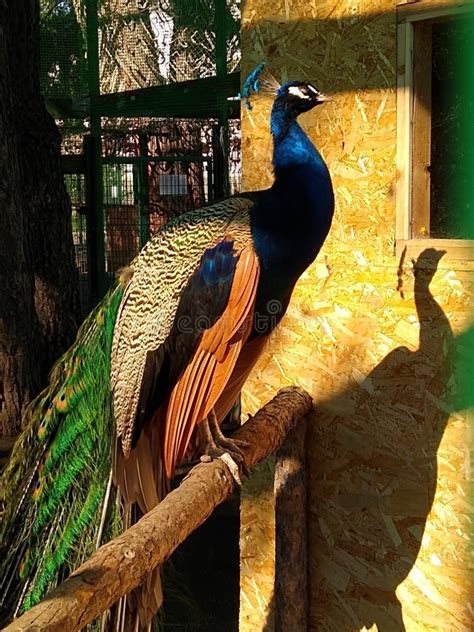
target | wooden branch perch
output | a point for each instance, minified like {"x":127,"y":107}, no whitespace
{"x":122,"y":564}
{"x":291,"y":541}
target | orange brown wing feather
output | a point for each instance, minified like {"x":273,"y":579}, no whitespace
{"x":206,"y":376}
{"x":247,"y":359}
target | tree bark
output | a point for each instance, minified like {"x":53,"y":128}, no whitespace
{"x":122,"y":564}
{"x":38,"y":278}
{"x":291,"y":566}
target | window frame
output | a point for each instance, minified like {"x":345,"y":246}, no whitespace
{"x":409,"y":118}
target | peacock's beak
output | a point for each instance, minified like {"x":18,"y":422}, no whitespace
{"x":322,"y":98}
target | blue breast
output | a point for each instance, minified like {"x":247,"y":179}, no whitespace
{"x":291,"y":220}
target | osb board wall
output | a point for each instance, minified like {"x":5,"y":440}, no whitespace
{"x":389,"y":464}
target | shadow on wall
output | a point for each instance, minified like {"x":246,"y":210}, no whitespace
{"x":373,"y":474}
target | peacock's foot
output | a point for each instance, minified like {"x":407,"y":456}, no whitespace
{"x":215,"y":451}
{"x":217,"y":445}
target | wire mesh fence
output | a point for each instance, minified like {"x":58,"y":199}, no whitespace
{"x":63,"y":59}
{"x":72,"y":145}
{"x":151,"y":169}
{"x":142,"y":43}
{"x":147,"y":43}
{"x":75,"y":184}
{"x":154,"y":170}
{"x":235,"y":157}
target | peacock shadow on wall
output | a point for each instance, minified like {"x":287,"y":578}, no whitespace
{"x":374,"y":474}
{"x":372,"y":458}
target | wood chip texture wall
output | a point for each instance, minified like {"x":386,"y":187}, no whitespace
{"x":388,"y":452}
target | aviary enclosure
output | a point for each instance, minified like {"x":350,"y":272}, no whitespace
{"x":144,"y":93}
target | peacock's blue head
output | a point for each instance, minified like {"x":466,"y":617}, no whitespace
{"x":298,"y":97}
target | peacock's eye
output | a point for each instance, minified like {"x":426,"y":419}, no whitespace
{"x":299,"y":91}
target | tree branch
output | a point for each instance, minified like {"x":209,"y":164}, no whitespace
{"x":291,"y":538}
{"x":122,"y":564}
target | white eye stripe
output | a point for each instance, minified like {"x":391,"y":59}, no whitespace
{"x":298,"y":93}
{"x":312,"y":89}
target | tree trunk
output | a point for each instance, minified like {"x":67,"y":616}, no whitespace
{"x":38,"y":279}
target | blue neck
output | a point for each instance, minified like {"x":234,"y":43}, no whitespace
{"x":291,"y":146}
{"x":291,"y":219}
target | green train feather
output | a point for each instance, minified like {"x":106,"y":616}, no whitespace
{"x":54,"y":560}
{"x":50,"y":513}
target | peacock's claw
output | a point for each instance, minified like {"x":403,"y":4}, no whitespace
{"x":217,"y":445}
{"x":214,"y":450}
{"x":236,"y":447}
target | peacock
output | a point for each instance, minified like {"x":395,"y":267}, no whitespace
{"x":158,"y":364}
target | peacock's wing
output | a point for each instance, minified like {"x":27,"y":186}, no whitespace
{"x":208,"y":371}
{"x":165,"y":311}
{"x":185,"y":316}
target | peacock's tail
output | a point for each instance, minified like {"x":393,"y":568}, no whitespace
{"x":55,"y":495}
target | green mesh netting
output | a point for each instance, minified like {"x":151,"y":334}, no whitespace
{"x":142,"y":43}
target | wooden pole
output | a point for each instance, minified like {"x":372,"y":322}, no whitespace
{"x":122,"y":564}
{"x":291,"y":567}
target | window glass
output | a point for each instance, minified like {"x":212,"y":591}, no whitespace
{"x":451,"y":148}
